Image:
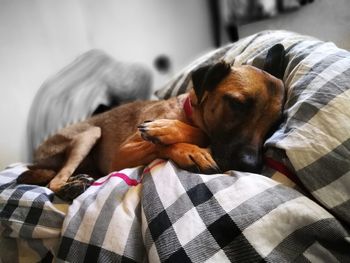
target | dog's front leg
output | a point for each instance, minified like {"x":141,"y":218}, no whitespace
{"x":136,"y":151}
{"x":78,"y":149}
{"x":166,"y":131}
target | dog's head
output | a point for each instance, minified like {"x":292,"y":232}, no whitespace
{"x":237,"y":107}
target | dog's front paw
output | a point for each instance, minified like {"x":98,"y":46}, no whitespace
{"x":193,"y":158}
{"x":161,"y":131}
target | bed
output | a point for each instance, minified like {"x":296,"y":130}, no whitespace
{"x":296,"y":210}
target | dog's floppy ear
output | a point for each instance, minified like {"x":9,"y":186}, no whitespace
{"x":208,"y":77}
{"x":198,"y":77}
{"x":274,"y":62}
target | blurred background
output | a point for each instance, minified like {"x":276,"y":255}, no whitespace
{"x":39,"y":38}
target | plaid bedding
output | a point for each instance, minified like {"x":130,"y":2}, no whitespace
{"x":164,"y":214}
{"x":161,"y":213}
{"x":31,"y":219}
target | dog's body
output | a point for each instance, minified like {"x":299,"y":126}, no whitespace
{"x":112,"y":141}
{"x":220,"y":124}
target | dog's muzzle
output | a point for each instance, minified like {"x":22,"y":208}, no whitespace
{"x":240,"y":157}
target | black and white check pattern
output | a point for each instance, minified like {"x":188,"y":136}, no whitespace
{"x":31,"y":219}
{"x":171,"y":216}
{"x":221,"y":218}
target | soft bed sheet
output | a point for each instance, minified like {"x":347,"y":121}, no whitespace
{"x":161,"y":213}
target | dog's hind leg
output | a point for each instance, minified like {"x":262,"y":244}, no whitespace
{"x":135,"y":151}
{"x":79,"y":148}
{"x":48,"y":159}
{"x":36,"y":175}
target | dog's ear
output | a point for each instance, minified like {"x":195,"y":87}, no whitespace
{"x":274,"y":62}
{"x":208,"y":77}
{"x":198,"y":77}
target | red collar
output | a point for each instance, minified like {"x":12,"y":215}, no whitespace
{"x":188,"y":108}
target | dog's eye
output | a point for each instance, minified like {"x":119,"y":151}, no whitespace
{"x":238,"y":104}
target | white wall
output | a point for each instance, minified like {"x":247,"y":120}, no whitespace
{"x":39,"y":37}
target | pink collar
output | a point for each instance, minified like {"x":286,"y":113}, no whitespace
{"x":188,"y":108}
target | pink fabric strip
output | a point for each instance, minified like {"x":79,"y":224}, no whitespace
{"x":127,"y":180}
{"x":148,"y":169}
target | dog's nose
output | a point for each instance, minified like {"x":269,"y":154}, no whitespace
{"x":238,"y":157}
{"x":249,"y":160}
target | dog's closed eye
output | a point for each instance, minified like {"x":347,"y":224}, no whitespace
{"x":238,"y":103}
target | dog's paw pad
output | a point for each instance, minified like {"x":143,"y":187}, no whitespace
{"x":75,"y":186}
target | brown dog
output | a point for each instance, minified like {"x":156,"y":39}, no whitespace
{"x":220,"y":124}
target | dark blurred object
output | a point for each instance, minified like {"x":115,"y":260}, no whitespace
{"x":232,"y":32}
{"x":214,"y":7}
{"x":230,"y":14}
{"x":246,"y":11}
{"x":162,"y":63}
{"x":91,"y":84}
{"x":304,"y":2}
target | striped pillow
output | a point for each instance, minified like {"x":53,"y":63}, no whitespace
{"x":315,"y":133}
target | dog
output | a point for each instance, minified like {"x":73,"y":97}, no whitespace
{"x":219,"y":125}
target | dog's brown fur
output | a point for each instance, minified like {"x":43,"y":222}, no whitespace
{"x":233,"y":116}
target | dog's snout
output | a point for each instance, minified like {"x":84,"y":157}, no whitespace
{"x":249,"y":160}
{"x":241,"y":158}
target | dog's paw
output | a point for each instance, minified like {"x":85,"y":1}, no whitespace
{"x":75,"y":186}
{"x":193,"y":158}
{"x":161,"y":131}
{"x":202,"y":162}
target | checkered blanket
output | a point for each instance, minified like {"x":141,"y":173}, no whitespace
{"x":164,"y":214}
{"x":31,"y":219}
